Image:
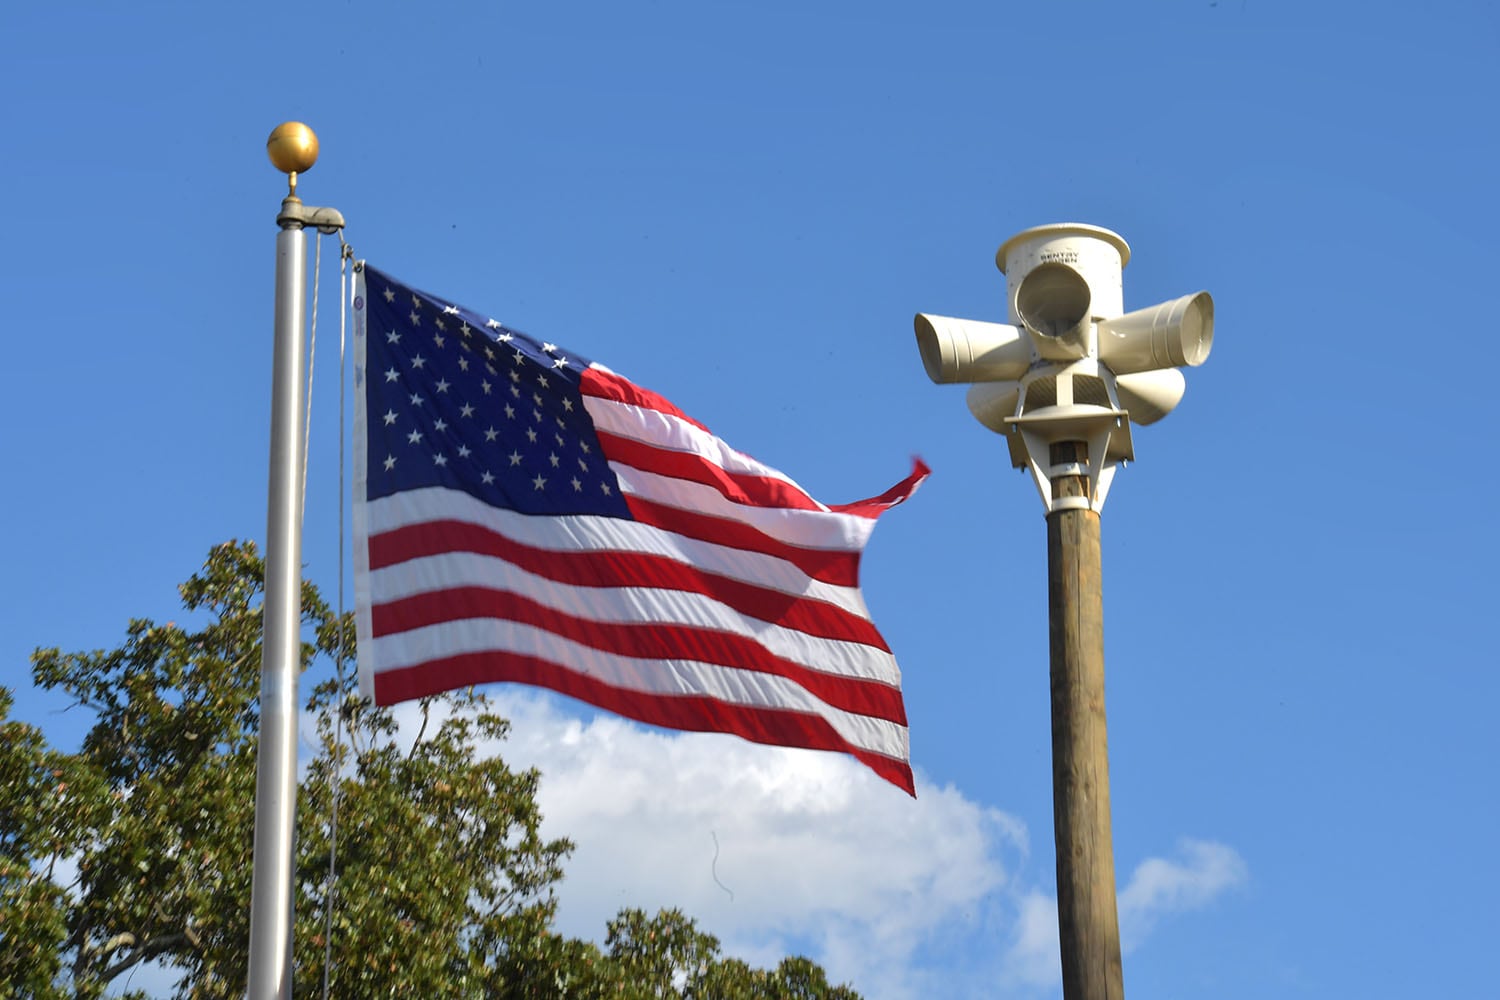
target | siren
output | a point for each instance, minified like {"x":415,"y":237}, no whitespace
{"x":966,"y":350}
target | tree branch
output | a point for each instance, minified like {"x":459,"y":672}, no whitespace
{"x":426,"y":715}
{"x":145,"y":953}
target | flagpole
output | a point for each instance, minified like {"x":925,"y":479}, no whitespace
{"x":293,"y":149}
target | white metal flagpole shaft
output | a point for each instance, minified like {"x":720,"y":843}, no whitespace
{"x":281,"y":647}
{"x":293,"y":149}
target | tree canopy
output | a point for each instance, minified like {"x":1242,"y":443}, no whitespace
{"x":137,"y":847}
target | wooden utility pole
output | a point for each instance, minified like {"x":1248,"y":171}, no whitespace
{"x":1088,"y":919}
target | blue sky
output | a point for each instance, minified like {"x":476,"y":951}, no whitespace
{"x":741,"y":205}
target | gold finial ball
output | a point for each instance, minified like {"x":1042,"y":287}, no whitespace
{"x":293,"y":148}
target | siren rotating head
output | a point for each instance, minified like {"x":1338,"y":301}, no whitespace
{"x":1067,"y":320}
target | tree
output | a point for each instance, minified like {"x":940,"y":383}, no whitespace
{"x":667,"y":956}
{"x":42,"y":794}
{"x":137,"y":847}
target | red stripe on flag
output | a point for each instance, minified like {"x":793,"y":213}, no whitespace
{"x":751,"y":491}
{"x":875,"y":506}
{"x":695,"y":713}
{"x":623,"y":569}
{"x":646,"y":641}
{"x":833,"y":566}
{"x":607,"y":385}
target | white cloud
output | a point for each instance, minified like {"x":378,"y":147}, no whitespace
{"x":1159,"y":887}
{"x":781,"y":852}
{"x":1033,"y":956}
{"x":774,"y":851}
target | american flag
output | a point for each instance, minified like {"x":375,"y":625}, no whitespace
{"x":523,"y":514}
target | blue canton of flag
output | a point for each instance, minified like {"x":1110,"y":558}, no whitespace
{"x":481,"y":409}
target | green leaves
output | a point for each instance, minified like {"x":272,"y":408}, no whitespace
{"x":42,"y":795}
{"x":666,"y":956}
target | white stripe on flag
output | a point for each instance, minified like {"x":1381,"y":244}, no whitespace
{"x":584,"y":533}
{"x":672,"y":433}
{"x":624,"y":605}
{"x":663,"y":677}
{"x":812,"y":529}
